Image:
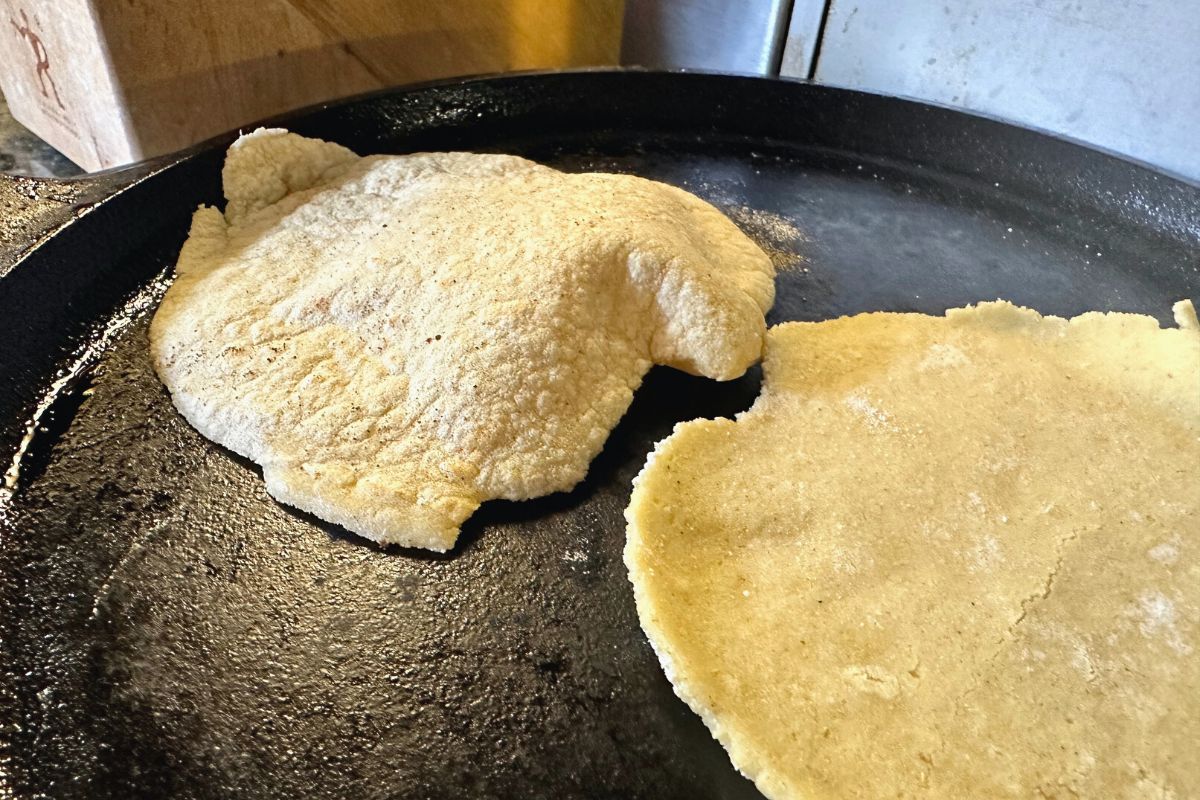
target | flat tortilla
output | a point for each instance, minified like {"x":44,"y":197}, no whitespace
{"x":941,"y":557}
{"x":397,"y":338}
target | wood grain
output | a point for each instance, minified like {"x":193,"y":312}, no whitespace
{"x":137,"y":78}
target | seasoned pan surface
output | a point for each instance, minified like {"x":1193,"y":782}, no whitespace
{"x":169,"y":630}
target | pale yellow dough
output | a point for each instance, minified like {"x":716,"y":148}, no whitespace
{"x":397,"y":338}
{"x":941,"y":557}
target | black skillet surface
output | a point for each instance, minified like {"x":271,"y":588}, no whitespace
{"x":169,"y":630}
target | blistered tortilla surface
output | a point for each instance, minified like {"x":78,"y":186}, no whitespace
{"x":396,"y":339}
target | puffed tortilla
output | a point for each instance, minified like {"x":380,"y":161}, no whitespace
{"x":396,"y":339}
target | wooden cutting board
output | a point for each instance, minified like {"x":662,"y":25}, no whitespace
{"x":110,"y":82}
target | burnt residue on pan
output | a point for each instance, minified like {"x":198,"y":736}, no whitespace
{"x":169,"y":630}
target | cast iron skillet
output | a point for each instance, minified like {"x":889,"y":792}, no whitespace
{"x":169,"y":630}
